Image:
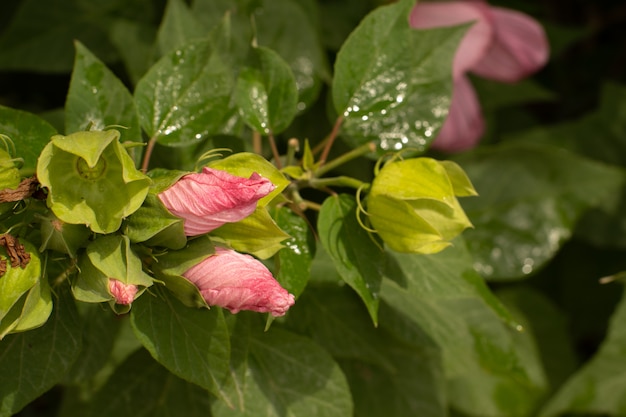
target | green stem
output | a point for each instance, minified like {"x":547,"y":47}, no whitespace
{"x":348,"y":156}
{"x":341,"y":181}
{"x":293,"y":146}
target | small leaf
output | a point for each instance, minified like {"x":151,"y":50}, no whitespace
{"x":357,"y":258}
{"x":392,"y":83}
{"x":29,"y":133}
{"x":295,"y":258}
{"x":16,"y":281}
{"x":41,"y":356}
{"x":266,"y":92}
{"x":155,"y":225}
{"x":192,"y":343}
{"x":290,"y":375}
{"x":97,"y":99}
{"x":185,"y":96}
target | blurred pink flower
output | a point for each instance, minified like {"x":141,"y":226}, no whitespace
{"x":211,"y":198}
{"x":239,"y":282}
{"x":122,"y":293}
{"x":502,"y":45}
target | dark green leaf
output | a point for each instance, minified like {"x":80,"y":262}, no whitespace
{"x":185,"y":96}
{"x":34,"y":361}
{"x":530,"y":197}
{"x":97,"y":99}
{"x":284,"y":26}
{"x":192,"y":343}
{"x":392,"y":83}
{"x":29,"y":133}
{"x":294,"y":259}
{"x":488,"y":373}
{"x":290,"y":375}
{"x":179,"y":26}
{"x":41,"y":35}
{"x":355,"y":255}
{"x":134,"y":41}
{"x":142,"y":387}
{"x":266,"y":92}
{"x":600,"y":386}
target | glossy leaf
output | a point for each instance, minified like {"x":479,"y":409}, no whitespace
{"x":290,"y":375}
{"x":599,"y":386}
{"x":284,"y":26}
{"x":97,"y":99}
{"x":191,"y":343}
{"x":149,"y":390}
{"x":185,"y":96}
{"x":393,"y":84}
{"x":179,"y":25}
{"x":41,"y":356}
{"x":530,"y":198}
{"x":355,"y":255}
{"x":29,"y":133}
{"x":294,"y":260}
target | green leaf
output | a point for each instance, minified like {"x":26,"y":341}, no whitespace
{"x":355,"y":255}
{"x":599,"y":387}
{"x":295,"y":258}
{"x":134,"y":41}
{"x":266,"y":92}
{"x":33,"y":362}
{"x":149,"y":389}
{"x":29,"y":133}
{"x":290,"y":375}
{"x":257,"y":234}
{"x":97,"y":99}
{"x":155,"y":225}
{"x":112,"y":254}
{"x":191,"y":343}
{"x":487,"y":373}
{"x":179,"y":25}
{"x":530,"y":198}
{"x":40,"y":35}
{"x":243,"y":164}
{"x":16,"y":281}
{"x":392,"y":83}
{"x":285,"y":27}
{"x":185,"y":96}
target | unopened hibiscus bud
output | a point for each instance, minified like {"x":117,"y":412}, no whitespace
{"x":209,"y":199}
{"x":122,"y":293}
{"x":237,"y":282}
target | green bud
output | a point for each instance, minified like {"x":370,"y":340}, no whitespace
{"x":412,"y":204}
{"x":91,"y":179}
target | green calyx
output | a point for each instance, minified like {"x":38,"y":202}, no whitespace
{"x":412,"y":204}
{"x":91,"y":179}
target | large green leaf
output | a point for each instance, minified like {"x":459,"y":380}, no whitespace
{"x":192,"y":343}
{"x":600,"y":386}
{"x":407,"y":380}
{"x":41,"y":35}
{"x":356,"y":256}
{"x":289,"y":375}
{"x":142,"y":387}
{"x":97,"y":99}
{"x":34,"y":361}
{"x":266,"y":92}
{"x":294,"y":260}
{"x":185,"y":96}
{"x":29,"y":133}
{"x":530,"y":197}
{"x":488,"y":372}
{"x":392,"y":83}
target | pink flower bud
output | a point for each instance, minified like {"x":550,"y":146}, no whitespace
{"x":123,"y":293}
{"x":209,"y":199}
{"x":237,"y":282}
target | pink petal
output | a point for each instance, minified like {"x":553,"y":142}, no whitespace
{"x":474,"y":45}
{"x":520,"y":47}
{"x":122,"y":293}
{"x":211,"y":198}
{"x":239,"y":282}
{"x":464,"y":125}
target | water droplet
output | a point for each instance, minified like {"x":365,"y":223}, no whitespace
{"x":94,"y":90}
{"x":198,"y":136}
{"x":364,"y":117}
